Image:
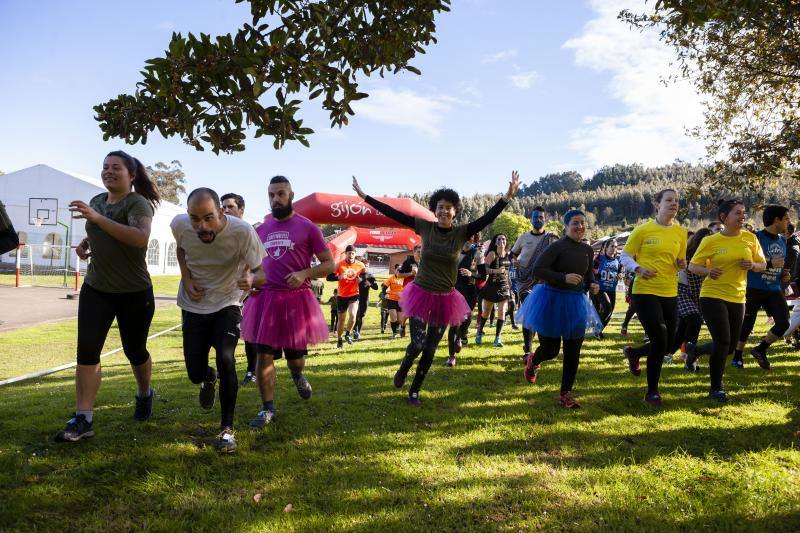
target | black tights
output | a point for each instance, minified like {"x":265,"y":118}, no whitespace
{"x":470,"y":295}
{"x":527,"y":335}
{"x":548,"y":349}
{"x":424,"y":340}
{"x":724,"y":321}
{"x":659,"y":318}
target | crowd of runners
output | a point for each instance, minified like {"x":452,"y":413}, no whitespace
{"x":263,"y":285}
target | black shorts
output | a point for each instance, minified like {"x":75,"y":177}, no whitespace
{"x":393,"y":304}
{"x":343,"y":303}
{"x":218,"y":330}
{"x":278,"y":353}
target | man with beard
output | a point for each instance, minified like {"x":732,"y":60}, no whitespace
{"x":219,"y":257}
{"x":348,"y":274}
{"x":365,"y":283}
{"x":284,"y":318}
{"x":527,"y":248}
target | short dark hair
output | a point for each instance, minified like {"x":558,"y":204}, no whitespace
{"x":660,"y":194}
{"x":773,"y":211}
{"x":204,"y":192}
{"x":538,"y":208}
{"x":278,"y":179}
{"x":445,"y":194}
{"x":236,"y":198}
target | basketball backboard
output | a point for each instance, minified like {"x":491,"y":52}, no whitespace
{"x":43,"y":211}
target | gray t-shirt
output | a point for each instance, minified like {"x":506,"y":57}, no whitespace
{"x":216,"y":266}
{"x":117,"y":267}
{"x":525,"y":245}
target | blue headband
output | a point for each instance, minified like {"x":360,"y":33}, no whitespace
{"x":571,"y":213}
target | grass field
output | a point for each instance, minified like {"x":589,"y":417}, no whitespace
{"x":486,"y":451}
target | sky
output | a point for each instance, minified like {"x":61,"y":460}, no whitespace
{"x":538,"y":86}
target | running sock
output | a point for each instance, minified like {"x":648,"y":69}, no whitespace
{"x":268,"y":405}
{"x":499,"y":327}
{"x":762,"y":347}
{"x":88,"y":414}
{"x":526,"y":340}
{"x":394,"y":327}
{"x":481,"y":322}
{"x":142,"y":395}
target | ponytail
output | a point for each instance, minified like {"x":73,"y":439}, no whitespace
{"x":141,"y":181}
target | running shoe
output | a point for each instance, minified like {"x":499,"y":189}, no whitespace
{"x":567,"y":401}
{"x":413,"y":399}
{"x":633,"y":361}
{"x":478,"y":338}
{"x":144,"y":407}
{"x":623,"y":332}
{"x":514,"y":327}
{"x":302,"y":385}
{"x":77,"y":428}
{"x":718,"y":395}
{"x":690,"y":363}
{"x":262,"y":419}
{"x":498,"y":343}
{"x":761,"y":359}
{"x":654,"y":400}
{"x":464,"y":341}
{"x":531,"y":371}
{"x":451,"y":361}
{"x":356,"y":334}
{"x":737,"y":363}
{"x":226,"y":441}
{"x":249,"y":377}
{"x":395,"y":335}
{"x":347,"y":338}
{"x":208,"y":392}
{"x":668,"y":359}
{"x":339,"y":343}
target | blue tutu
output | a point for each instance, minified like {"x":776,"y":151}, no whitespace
{"x":555,"y":312}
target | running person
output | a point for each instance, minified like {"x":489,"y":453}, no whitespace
{"x":394,"y":289}
{"x":558,"y":308}
{"x":607,"y":269}
{"x":526,"y":250}
{"x":365,"y":283}
{"x":408,"y":271}
{"x":117,"y":285}
{"x":497,"y":289}
{"x":724,"y":260}
{"x":513,"y":301}
{"x":656,"y":251}
{"x":220,"y":261}
{"x":470,"y":258}
{"x":233,"y":206}
{"x":284,"y":317}
{"x":348,"y":274}
{"x":765,"y":289}
{"x":431,"y":301}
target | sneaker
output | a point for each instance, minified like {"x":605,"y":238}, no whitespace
{"x":458,"y":345}
{"x":302,"y":385}
{"x":400,"y":375}
{"x":451,"y":361}
{"x":339,"y":343}
{"x":623,"y":332}
{"x":761,"y":359}
{"x":567,"y":401}
{"x":226,"y":441}
{"x":356,"y":334}
{"x":737,"y":363}
{"x":514,"y":327}
{"x":633,"y":361}
{"x":413,"y":399}
{"x":262,"y":419}
{"x":77,"y":428}
{"x":497,"y":342}
{"x":478,"y":338}
{"x":718,"y":395}
{"x":654,"y":400}
{"x":667,"y":359}
{"x":249,"y":377}
{"x":144,"y":407}
{"x":531,"y":371}
{"x":690,"y":363}
{"x":347,"y":338}
{"x":491,"y":324}
{"x":395,"y":335}
{"x":208,"y":392}
{"x":598,"y":335}
{"x":464,"y":341}
{"x":645,"y":339}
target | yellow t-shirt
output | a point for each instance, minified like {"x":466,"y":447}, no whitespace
{"x":657,"y":247}
{"x":723,"y":252}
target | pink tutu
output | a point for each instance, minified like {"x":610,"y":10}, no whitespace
{"x":284,"y":319}
{"x":435,"y":308}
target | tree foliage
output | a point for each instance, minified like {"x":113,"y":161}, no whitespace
{"x":170,"y":180}
{"x":512,"y":225}
{"x":744,"y":57}
{"x":210,"y":91}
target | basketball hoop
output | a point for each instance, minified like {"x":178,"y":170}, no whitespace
{"x":36,"y":221}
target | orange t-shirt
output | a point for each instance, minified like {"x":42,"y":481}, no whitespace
{"x":395,"y":287}
{"x":348,"y":277}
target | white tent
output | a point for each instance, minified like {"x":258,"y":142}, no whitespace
{"x":41,"y":194}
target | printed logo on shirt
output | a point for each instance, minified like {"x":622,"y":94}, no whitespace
{"x":775,"y":249}
{"x":653,"y":241}
{"x":349,"y":273}
{"x":277,"y":244}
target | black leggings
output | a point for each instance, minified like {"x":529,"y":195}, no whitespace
{"x":548,"y":349}
{"x":461,"y":330}
{"x":424,"y":339}
{"x":724,"y":321}
{"x":363,"y":303}
{"x":688,"y":331}
{"x":219,"y":330}
{"x":97,"y":310}
{"x":659,"y":318}
{"x":334,"y":318}
{"x":773,"y":303}
{"x":612,"y":302}
{"x":252,"y":356}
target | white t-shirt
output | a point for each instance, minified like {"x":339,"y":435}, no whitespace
{"x":525,"y":245}
{"x":217,"y":265}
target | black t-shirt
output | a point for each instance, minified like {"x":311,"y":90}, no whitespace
{"x":406,"y":267}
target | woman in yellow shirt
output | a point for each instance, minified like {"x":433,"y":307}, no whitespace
{"x":656,"y":250}
{"x":724,"y":259}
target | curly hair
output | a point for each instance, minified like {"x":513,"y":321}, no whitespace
{"x":448,"y":195}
